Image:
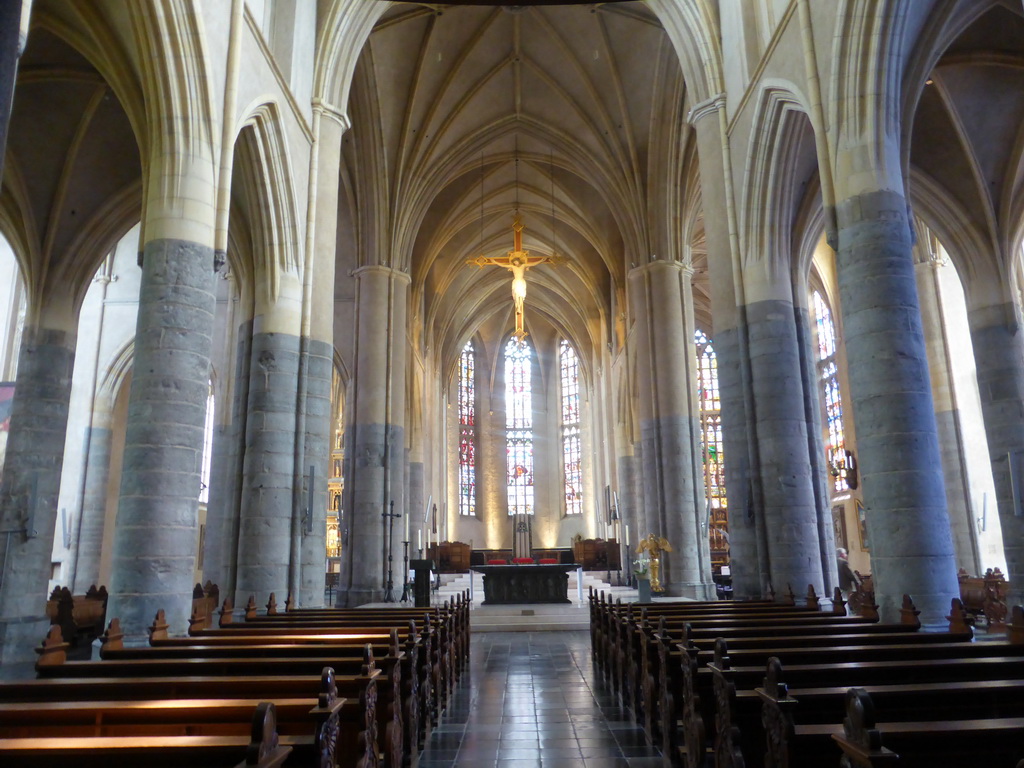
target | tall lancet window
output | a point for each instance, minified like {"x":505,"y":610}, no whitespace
{"x":712,"y":448}
{"x":519,"y":427}
{"x":572,"y":463}
{"x":204,"y":472}
{"x":467,"y":431}
{"x":835,"y":450}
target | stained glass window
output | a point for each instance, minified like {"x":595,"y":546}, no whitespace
{"x":519,"y":427}
{"x":835,"y":450}
{"x":467,"y":431}
{"x":572,"y":462}
{"x":712,"y":448}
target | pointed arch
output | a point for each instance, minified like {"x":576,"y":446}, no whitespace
{"x":263,"y":167}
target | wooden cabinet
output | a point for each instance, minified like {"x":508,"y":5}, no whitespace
{"x":598,"y":554}
{"x":450,"y":556}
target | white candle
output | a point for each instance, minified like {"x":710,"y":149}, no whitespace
{"x":406,"y":527}
{"x":419,"y":540}
{"x":627,"y":534}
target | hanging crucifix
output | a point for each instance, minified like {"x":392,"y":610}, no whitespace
{"x":517,"y":262}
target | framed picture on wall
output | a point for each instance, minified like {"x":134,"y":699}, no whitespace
{"x":839,"y":525}
{"x":862,"y":524}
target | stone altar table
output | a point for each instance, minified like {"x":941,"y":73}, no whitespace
{"x":504,"y":584}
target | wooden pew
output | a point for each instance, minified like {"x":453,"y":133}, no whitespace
{"x":674,"y":702}
{"x":357,"y":682}
{"x":449,"y":623}
{"x":433,"y":655}
{"x":398,"y":702}
{"x":786,"y":711}
{"x":260,"y":750}
{"x":868,"y":740}
{"x":663,"y":658}
{"x":80,"y":617}
{"x":740,"y":706}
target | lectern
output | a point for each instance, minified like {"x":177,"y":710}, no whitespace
{"x":421,"y":582}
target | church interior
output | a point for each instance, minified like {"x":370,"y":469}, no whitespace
{"x":256,"y":329}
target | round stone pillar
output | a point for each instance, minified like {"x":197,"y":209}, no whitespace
{"x":92,"y":523}
{"x":329,"y":125}
{"x":157,"y":519}
{"x":747,"y":536}
{"x":899,"y":459}
{"x":375,"y":464}
{"x":30,"y":486}
{"x":790,"y":504}
{"x":266,"y":513}
{"x":999,"y":358}
{"x":669,"y":426}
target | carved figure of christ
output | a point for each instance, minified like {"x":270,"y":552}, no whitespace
{"x":517,"y":262}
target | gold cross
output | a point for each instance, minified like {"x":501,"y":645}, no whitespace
{"x":517,"y":262}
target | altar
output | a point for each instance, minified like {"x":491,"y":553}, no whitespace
{"x":504,"y":584}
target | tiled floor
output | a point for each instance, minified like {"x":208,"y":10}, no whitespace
{"x":531,"y":699}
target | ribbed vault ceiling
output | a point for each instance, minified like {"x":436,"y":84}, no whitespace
{"x":461,"y":115}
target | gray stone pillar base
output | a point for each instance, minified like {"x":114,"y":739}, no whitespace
{"x":900,"y":464}
{"x":18,"y":640}
{"x":268,"y":470}
{"x":31,"y":476}
{"x":156,"y":536}
{"x":318,"y":427}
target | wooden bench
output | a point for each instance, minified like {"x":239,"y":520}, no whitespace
{"x":434,"y":657}
{"x":985,"y":596}
{"x":785,"y":711}
{"x":740,"y":704}
{"x":261,"y":749}
{"x":81,"y":618}
{"x":868,"y":739}
{"x":449,"y":623}
{"x":358,"y":682}
{"x":398,"y":703}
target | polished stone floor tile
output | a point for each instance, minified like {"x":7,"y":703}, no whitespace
{"x":530,"y":700}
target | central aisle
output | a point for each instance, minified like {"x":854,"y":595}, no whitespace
{"x":531,"y":699}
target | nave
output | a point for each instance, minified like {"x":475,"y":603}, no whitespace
{"x":532,"y":699}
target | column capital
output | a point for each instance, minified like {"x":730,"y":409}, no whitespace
{"x":380,"y":269}
{"x":662,"y":264}
{"x":326,"y":109}
{"x":707,"y":107}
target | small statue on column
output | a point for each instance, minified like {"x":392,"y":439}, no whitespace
{"x":654,"y":546}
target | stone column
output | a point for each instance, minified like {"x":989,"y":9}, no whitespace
{"x":629,"y":497}
{"x":12,"y":43}
{"x":415,"y":504}
{"x":790,"y":508}
{"x":318,"y":345}
{"x":220,"y":548}
{"x":899,"y":460}
{"x":156,"y":535}
{"x":947,"y":415}
{"x":812,"y":400}
{"x":647,"y":486}
{"x":268,"y":472}
{"x":94,"y":498}
{"x":375,"y":462}
{"x":31,"y":483}
{"x":999,"y":357}
{"x":747,"y":534}
{"x":669,"y":427}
